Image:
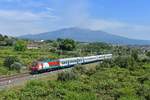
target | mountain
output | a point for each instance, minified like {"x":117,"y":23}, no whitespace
{"x":85,"y":35}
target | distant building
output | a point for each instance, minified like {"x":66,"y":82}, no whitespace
{"x":33,"y":45}
{"x":145,"y":49}
{"x":42,"y":41}
{"x":38,"y":41}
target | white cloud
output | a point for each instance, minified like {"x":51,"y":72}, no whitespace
{"x":101,"y":24}
{"x":24,"y":22}
{"x":23,"y":15}
{"x":130,"y":30}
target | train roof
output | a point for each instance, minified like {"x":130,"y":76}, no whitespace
{"x":73,"y":58}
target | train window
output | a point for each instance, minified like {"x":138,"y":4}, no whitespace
{"x":73,"y":61}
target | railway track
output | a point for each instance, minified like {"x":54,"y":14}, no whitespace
{"x":7,"y":79}
{"x":13,"y":80}
{"x":18,"y":79}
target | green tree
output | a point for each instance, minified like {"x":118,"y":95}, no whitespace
{"x":67,"y":44}
{"x":20,"y":45}
{"x":1,"y":37}
{"x":9,"y":42}
{"x":59,"y":40}
{"x":17,"y":66}
{"x":134,"y":54}
{"x":148,"y":53}
{"x":55,"y":44}
{"x":9,"y":61}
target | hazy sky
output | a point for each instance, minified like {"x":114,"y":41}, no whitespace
{"x":130,"y":18}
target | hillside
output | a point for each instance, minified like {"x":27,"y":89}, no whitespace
{"x":85,"y":35}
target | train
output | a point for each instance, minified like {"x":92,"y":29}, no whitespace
{"x":43,"y":66}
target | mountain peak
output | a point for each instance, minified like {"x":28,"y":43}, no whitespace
{"x":84,"y":35}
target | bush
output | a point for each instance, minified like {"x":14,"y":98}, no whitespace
{"x":91,"y":71}
{"x":20,"y":45}
{"x":148,"y":53}
{"x":145,"y":59}
{"x":17,"y":66}
{"x":65,"y":76}
{"x":79,"y":69}
{"x":134,"y":55}
{"x":10,"y":95}
{"x":105,"y":64}
{"x":9,"y":42}
{"x":121,"y":62}
{"x":126,"y":62}
{"x":9,"y":61}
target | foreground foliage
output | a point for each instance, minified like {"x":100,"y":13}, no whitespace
{"x":101,"y":83}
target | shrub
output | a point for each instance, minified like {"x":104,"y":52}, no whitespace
{"x":148,"y":53}
{"x":79,"y":69}
{"x":80,"y":96}
{"x":121,"y":62}
{"x":9,"y":61}
{"x":17,"y":66}
{"x":91,"y":71}
{"x":105,"y":64}
{"x":144,"y":90}
{"x":10,"y":42}
{"x":10,"y":95}
{"x":126,"y":62}
{"x":65,"y":76}
{"x":20,"y":46}
{"x":134,"y":55}
{"x":129,"y":97}
{"x":145,"y":59}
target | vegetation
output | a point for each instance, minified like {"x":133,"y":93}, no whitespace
{"x":107,"y":81}
{"x":20,"y":45}
{"x":12,"y":63}
{"x":65,"y":76}
{"x":17,"y":66}
{"x":66,"y":44}
{"x":9,"y":61}
{"x":6,"y":41}
{"x":124,"y":77}
{"x":148,"y":53}
{"x":25,"y":58}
